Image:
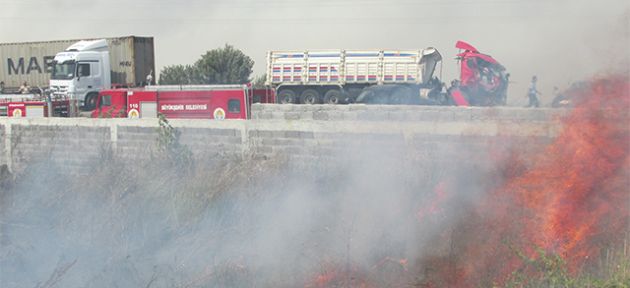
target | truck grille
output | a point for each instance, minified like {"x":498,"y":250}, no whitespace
{"x":59,"y":92}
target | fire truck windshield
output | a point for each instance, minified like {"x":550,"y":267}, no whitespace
{"x":63,"y":71}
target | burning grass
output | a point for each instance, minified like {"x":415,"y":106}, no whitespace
{"x":551,"y":217}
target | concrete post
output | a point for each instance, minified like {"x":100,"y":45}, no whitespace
{"x":8,"y":146}
{"x":113,"y":130}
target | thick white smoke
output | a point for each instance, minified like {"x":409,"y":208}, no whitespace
{"x":367,"y":211}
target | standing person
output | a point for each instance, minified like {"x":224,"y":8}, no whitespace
{"x":1,"y":87}
{"x":24,"y":89}
{"x":533,"y":93}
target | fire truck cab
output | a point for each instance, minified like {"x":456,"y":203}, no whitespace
{"x":186,"y":102}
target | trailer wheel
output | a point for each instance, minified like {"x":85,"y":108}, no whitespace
{"x":396,"y":99}
{"x":332,"y":96}
{"x":286,"y":96}
{"x":310,"y":96}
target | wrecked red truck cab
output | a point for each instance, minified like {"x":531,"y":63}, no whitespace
{"x":483,"y":80}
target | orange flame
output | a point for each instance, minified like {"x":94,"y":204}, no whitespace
{"x":569,"y":189}
{"x":434,"y":206}
{"x":570,"y":200}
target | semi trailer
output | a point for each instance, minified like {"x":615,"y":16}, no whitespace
{"x":84,"y":68}
{"x":131,"y":59}
{"x":339,"y":76}
{"x":29,"y":62}
{"x":385,"y":77}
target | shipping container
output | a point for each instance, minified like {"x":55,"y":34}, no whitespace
{"x":131,"y":58}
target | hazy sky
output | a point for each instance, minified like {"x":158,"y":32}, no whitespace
{"x":559,"y":40}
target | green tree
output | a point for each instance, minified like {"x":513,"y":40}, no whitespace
{"x":226,"y":65}
{"x":178,"y":75}
{"x":259,"y":81}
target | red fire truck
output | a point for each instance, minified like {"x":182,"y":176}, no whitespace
{"x":187,"y":102}
{"x":21,"y":105}
{"x":29,"y":109}
{"x":36,"y":105}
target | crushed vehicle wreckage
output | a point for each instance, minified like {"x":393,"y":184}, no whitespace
{"x":483,"y":82}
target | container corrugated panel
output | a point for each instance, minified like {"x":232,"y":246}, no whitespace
{"x":144,"y":56}
{"x":132,"y":58}
{"x":325,"y":67}
{"x":29,"y":62}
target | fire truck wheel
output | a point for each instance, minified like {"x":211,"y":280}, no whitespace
{"x":332,"y":96}
{"x":90,"y":102}
{"x":310,"y":96}
{"x":286,"y":96}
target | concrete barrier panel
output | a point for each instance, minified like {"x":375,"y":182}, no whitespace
{"x":302,"y":132}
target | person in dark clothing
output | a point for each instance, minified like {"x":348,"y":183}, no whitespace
{"x":533,"y":93}
{"x":24,"y":89}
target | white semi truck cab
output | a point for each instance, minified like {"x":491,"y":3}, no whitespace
{"x":81,"y":71}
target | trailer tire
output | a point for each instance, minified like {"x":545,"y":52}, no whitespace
{"x":396,"y":99}
{"x":310,"y":96}
{"x":332,"y":96}
{"x":286,"y":96}
{"x":90,"y":102}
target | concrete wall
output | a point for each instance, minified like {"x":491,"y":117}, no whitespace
{"x":75,"y":145}
{"x":362,"y":112}
{"x":40,"y":141}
